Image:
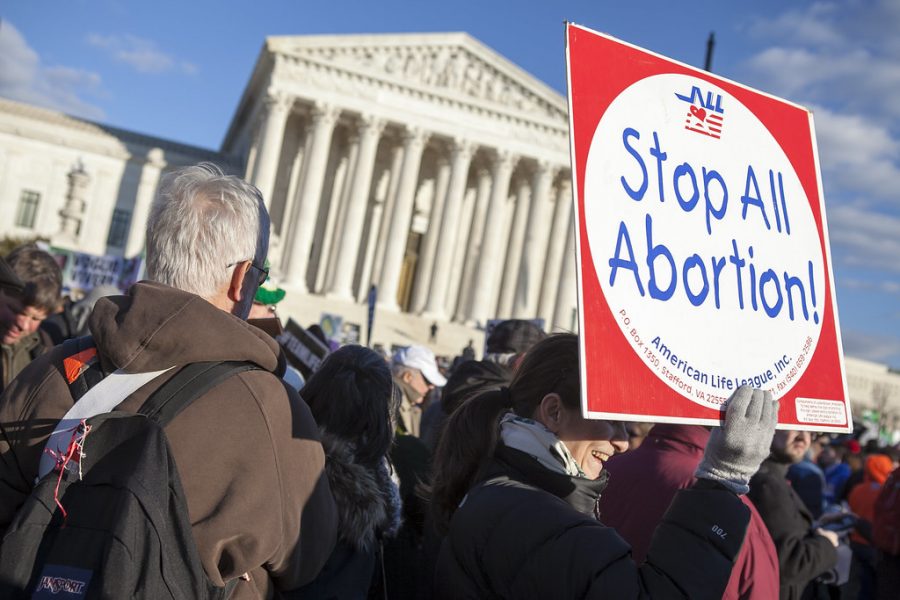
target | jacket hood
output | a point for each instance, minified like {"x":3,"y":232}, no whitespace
{"x":878,"y":467}
{"x":692,"y":435}
{"x":155,"y":326}
{"x":368,"y":502}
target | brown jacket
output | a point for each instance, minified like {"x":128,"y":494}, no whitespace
{"x":16,"y":357}
{"x":248,"y":451}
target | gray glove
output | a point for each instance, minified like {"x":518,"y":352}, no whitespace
{"x":735,"y":450}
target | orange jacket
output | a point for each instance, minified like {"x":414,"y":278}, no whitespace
{"x":862,"y":498}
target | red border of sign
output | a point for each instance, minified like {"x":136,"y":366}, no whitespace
{"x":614,"y":377}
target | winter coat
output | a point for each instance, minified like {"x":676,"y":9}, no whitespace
{"x":248,"y":451}
{"x":13,"y":359}
{"x":528,"y":532}
{"x":368,"y":505}
{"x":803,"y":555}
{"x":862,"y":498}
{"x":654,"y":472}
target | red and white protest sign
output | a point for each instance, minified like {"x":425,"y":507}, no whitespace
{"x":703,"y":254}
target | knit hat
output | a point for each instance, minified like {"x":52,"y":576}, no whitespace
{"x":878,"y":467}
{"x":853,"y":446}
{"x":269,"y":293}
{"x":514,"y":336}
{"x":473,"y":377}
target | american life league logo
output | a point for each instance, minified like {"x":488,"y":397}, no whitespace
{"x":705,"y":113}
{"x":709,"y":260}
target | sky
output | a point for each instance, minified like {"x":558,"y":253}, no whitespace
{"x":177,"y":70}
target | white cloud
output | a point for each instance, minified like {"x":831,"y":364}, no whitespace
{"x":24,"y":78}
{"x":141,"y":54}
{"x":858,"y":154}
{"x":885,"y":287}
{"x":865,"y":238}
{"x":877,"y":348}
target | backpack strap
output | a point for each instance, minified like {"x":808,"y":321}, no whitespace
{"x":81,"y":365}
{"x":188,"y":384}
{"x":184,"y":387}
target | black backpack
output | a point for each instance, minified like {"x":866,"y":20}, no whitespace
{"x":123,"y":529}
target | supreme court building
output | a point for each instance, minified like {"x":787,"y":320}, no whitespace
{"x":426,"y":165}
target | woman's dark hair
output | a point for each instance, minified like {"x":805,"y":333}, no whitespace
{"x":470,"y":434}
{"x":351,"y":396}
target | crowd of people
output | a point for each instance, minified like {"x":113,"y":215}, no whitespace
{"x":380,"y":477}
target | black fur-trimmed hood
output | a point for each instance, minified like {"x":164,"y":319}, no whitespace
{"x":368,"y":502}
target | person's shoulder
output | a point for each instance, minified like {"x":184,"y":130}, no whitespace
{"x":42,"y":381}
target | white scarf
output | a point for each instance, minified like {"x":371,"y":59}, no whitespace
{"x":532,"y":438}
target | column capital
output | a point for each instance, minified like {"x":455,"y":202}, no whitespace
{"x":544,"y":168}
{"x":461,"y":148}
{"x":324,"y":113}
{"x":277,"y":100}
{"x":505,"y":159}
{"x":415,"y":136}
{"x":370,"y":124}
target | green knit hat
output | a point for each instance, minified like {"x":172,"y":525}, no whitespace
{"x":269,"y":293}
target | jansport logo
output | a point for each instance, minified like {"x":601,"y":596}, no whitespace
{"x":705,"y":114}
{"x":56,"y":585}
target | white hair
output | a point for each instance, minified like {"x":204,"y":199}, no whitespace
{"x":202,"y":222}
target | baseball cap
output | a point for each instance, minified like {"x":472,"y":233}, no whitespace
{"x":421,"y":358}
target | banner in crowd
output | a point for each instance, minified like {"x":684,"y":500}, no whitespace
{"x":303,"y":350}
{"x":83,"y":272}
{"x":703,"y":254}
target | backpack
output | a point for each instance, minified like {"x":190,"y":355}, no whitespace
{"x":886,"y":522}
{"x":114,"y":524}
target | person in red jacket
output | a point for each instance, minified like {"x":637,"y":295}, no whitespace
{"x":663,"y":464}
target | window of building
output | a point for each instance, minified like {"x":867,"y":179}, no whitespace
{"x":28,"y":206}
{"x":118,"y":228}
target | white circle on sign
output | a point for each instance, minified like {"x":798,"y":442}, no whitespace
{"x":736,"y":291}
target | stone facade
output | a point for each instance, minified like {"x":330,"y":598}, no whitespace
{"x":83,"y":185}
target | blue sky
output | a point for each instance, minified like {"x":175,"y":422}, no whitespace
{"x":177,"y":70}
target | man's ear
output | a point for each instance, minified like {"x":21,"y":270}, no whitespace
{"x":407,"y":376}
{"x":235,"y":286}
{"x":550,"y":412}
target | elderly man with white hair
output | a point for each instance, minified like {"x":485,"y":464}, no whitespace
{"x":247,"y":450}
{"x":415,"y":374}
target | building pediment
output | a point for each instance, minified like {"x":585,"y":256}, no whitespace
{"x":454,"y":65}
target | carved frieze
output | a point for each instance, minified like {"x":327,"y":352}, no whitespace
{"x":444,"y":68}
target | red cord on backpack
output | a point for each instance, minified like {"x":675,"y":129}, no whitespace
{"x":75,"y":451}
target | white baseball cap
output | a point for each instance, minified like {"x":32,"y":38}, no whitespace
{"x":421,"y":358}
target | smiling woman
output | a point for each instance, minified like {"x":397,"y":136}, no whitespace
{"x":518,"y":474}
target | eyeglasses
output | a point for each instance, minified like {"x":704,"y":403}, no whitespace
{"x":263,"y":272}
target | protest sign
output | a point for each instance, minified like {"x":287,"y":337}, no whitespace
{"x":83,"y":272}
{"x":332,"y":326}
{"x":703,"y":254}
{"x":303,"y":350}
